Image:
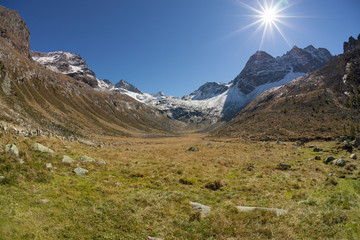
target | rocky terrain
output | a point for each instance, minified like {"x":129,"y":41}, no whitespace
{"x":322,"y":104}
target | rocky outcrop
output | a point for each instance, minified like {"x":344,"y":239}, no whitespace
{"x":14,"y":29}
{"x":67,"y":63}
{"x":351,"y":44}
{"x":127,"y":86}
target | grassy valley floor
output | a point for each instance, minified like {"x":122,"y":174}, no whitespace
{"x":146,"y":187}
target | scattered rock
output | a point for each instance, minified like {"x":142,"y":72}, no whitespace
{"x":154,"y":238}
{"x":353,"y":156}
{"x":193,"y":149}
{"x":118,"y":183}
{"x":317,"y":149}
{"x":283,"y":166}
{"x":67,"y":159}
{"x":276,"y":210}
{"x":42,"y":148}
{"x":251,"y":167}
{"x":21,"y":161}
{"x":280,"y":142}
{"x":88,"y":143}
{"x":85,"y":159}
{"x":101,"y":162}
{"x":44,"y":200}
{"x":48,"y":165}
{"x":318,"y":158}
{"x":356,"y":142}
{"x":67,"y":147}
{"x":339,"y":162}
{"x":80,"y":171}
{"x":329,"y":160}
{"x":310,"y":146}
{"x":1,"y":178}
{"x":12,"y":149}
{"x":204,"y":210}
{"x":216,"y":185}
{"x":347,"y":145}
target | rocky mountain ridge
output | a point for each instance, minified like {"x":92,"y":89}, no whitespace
{"x":322,"y":104}
{"x":212,"y":101}
{"x":14,"y":30}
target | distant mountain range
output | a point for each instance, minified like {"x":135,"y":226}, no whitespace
{"x":212,"y":101}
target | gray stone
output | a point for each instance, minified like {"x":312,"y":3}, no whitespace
{"x":276,"y":210}
{"x":41,"y":148}
{"x":80,"y":171}
{"x":329,"y":160}
{"x":101,"y":162}
{"x":353,"y":156}
{"x":21,"y":161}
{"x":154,"y":238}
{"x":44,"y":200}
{"x":12,"y":149}
{"x":85,"y":159}
{"x":118,"y":183}
{"x":88,"y":143}
{"x":67,"y":159}
{"x":48,"y":165}
{"x":204,"y":210}
{"x":339,"y":162}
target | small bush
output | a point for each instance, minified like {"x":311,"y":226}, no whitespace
{"x":186,"y":181}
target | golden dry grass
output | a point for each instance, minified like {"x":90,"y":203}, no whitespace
{"x":147,"y":185}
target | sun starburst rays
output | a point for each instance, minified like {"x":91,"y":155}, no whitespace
{"x":268,"y":16}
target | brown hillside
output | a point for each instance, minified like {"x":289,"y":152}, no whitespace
{"x":34,"y":97}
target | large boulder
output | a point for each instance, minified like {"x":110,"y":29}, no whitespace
{"x":80,"y":171}
{"x":41,"y":148}
{"x":12,"y":149}
{"x":86,"y":159}
{"x":204,"y":210}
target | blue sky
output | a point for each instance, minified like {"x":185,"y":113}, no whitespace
{"x":175,"y":46}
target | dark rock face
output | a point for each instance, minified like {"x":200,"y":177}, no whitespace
{"x":351,"y":44}
{"x":14,"y":29}
{"x":262,"y":68}
{"x":67,"y":63}
{"x":127,"y":86}
{"x":305,"y":60}
{"x":107,"y":81}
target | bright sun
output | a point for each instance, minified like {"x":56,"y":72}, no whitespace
{"x":268,"y":16}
